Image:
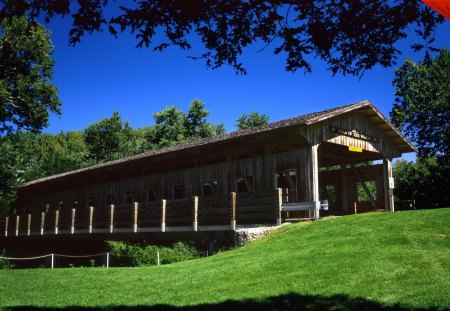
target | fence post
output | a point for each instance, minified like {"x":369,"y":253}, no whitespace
{"x":17,"y":224}
{"x":157,"y":258}
{"x":233,"y":211}
{"x":6,"y":225}
{"x":195,"y":212}
{"x":91,"y":218}
{"x":163,"y":215}
{"x":135,"y":217}
{"x":29,"y":225}
{"x":72,"y":224}
{"x":56,"y":221}
{"x":279,"y":202}
{"x":53,"y":260}
{"x":42,"y":223}
{"x":111,"y":219}
{"x":107,"y":260}
{"x":316,"y":210}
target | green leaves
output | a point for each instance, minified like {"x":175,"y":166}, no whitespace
{"x":250,"y":120}
{"x":349,"y":36}
{"x":26,"y":69}
{"x":422,"y":104}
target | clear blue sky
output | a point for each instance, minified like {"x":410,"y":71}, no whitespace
{"x":103,"y":74}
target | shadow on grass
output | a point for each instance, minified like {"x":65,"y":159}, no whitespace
{"x":284,"y":302}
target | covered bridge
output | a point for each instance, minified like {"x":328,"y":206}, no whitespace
{"x":218,"y":183}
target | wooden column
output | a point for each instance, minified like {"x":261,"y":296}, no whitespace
{"x":91,"y":218}
{"x":56,"y":221}
{"x":233,"y":210}
{"x":29,"y":225}
{"x":314,"y":174}
{"x":163,"y":215}
{"x":135,"y":217}
{"x":111,"y":218}
{"x":72,"y":221}
{"x":343,"y":188}
{"x":17,"y":224}
{"x":6,"y":225}
{"x":279,"y":202}
{"x":388,"y":185}
{"x":195,"y":214}
{"x":42,"y":222}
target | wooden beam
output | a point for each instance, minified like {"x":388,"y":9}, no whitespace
{"x":56,"y":221}
{"x":363,"y":183}
{"x":163,"y":215}
{"x":233,"y":210}
{"x":91,"y":218}
{"x":111,"y":218}
{"x":195,"y":213}
{"x":17,"y":224}
{"x":42,"y":222}
{"x":72,"y":221}
{"x":388,"y":191}
{"x":135,"y":217}
{"x":6,"y":225}
{"x":29,"y":225}
{"x":279,"y":203}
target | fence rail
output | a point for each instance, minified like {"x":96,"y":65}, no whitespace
{"x":209,"y":213}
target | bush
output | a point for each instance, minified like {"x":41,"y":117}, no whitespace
{"x":4,"y":263}
{"x":133,"y":255}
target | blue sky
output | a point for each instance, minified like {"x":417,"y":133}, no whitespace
{"x":103,"y":74}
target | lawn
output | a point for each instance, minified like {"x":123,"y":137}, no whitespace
{"x":373,"y":261}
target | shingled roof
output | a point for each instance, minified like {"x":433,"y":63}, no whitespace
{"x":306,"y":119}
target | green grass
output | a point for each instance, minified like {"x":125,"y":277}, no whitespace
{"x":370,"y":261}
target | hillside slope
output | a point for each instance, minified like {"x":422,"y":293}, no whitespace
{"x":372,"y":261}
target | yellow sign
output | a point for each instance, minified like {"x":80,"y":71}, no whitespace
{"x":354,"y":149}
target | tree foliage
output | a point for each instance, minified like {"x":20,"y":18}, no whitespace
{"x":107,"y":139}
{"x":422,"y":103}
{"x":426,"y":181}
{"x":350,"y":36}
{"x":26,"y":70}
{"x":173,"y":126}
{"x":250,"y":120}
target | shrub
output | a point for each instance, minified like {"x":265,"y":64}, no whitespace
{"x":132,"y":255}
{"x":4,"y":263}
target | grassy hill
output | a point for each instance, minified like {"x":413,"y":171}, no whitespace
{"x":386,"y":261}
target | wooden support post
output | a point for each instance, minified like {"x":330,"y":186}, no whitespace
{"x":6,"y":225}
{"x":111,"y":218}
{"x":354,"y":208}
{"x":52,"y":261}
{"x":56,"y":221}
{"x":163,"y":215}
{"x":233,"y":210}
{"x":17,"y":224}
{"x":29,"y":225}
{"x":107,"y":260}
{"x":135,"y":217}
{"x":72,"y":221}
{"x":314,"y":173}
{"x":195,"y":214}
{"x":388,"y":185}
{"x":42,"y":222}
{"x":343,"y":190}
{"x":279,"y":202}
{"x":91,"y":218}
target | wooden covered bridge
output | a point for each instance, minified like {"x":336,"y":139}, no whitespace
{"x":220,"y":183}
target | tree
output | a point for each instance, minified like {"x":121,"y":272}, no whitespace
{"x":422,"y":104}
{"x":106,"y":139}
{"x":26,"y":70}
{"x":350,"y":36}
{"x":173,"y":126}
{"x":426,"y":181}
{"x":250,"y":120}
